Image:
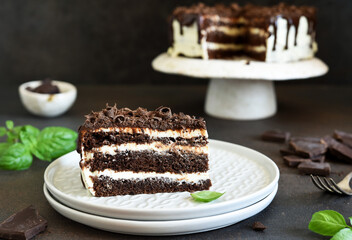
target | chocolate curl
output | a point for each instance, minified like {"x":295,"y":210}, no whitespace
{"x":164,"y":112}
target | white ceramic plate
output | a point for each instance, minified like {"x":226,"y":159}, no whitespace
{"x":246,"y":176}
{"x":158,"y":228}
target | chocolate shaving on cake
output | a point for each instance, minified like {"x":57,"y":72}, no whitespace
{"x":162,"y":119}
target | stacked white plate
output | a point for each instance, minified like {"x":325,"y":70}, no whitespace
{"x":248,"y":178}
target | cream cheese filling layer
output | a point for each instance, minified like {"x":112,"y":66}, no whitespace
{"x":231,"y":31}
{"x":224,"y":46}
{"x":189,"y":177}
{"x":183,"y":133}
{"x":155,"y":146}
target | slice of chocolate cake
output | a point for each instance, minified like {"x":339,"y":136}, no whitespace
{"x":126,"y":151}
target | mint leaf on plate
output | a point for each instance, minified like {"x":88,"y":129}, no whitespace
{"x":343,"y":234}
{"x":206,"y":196}
{"x":327,"y":223}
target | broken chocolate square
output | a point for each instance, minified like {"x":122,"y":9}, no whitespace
{"x":294,"y":161}
{"x":308,"y":149}
{"x":316,"y":168}
{"x":340,"y":151}
{"x":276,"y":136}
{"x":24,"y":224}
{"x":285,"y":152}
{"x":344,"y":137}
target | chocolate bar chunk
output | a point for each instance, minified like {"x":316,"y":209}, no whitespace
{"x":23,"y":225}
{"x":306,"y":139}
{"x":285,"y":152}
{"x":258,"y":226}
{"x":308,"y":149}
{"x":340,"y":151}
{"x":345,"y":138}
{"x":318,"y":158}
{"x":322,"y":169}
{"x":294,"y":161}
{"x":276,"y":136}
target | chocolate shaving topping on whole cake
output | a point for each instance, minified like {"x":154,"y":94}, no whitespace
{"x":162,"y":118}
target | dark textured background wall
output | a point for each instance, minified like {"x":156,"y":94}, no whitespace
{"x":105,"y":41}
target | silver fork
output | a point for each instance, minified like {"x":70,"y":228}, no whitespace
{"x":328,"y":184}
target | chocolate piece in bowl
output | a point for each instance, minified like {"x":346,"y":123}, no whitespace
{"x":315,"y":168}
{"x":47,"y":87}
{"x":24,"y":224}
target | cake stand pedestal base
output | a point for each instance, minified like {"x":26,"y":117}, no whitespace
{"x":240,"y":99}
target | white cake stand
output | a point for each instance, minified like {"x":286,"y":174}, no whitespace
{"x":240,"y":89}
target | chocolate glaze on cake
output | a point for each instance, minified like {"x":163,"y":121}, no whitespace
{"x":126,"y":151}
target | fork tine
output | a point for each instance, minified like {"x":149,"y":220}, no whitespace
{"x":337,"y":187}
{"x":331,"y":186}
{"x":316,"y":182}
{"x":324,"y":185}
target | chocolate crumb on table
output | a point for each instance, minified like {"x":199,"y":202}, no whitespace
{"x":258,"y":226}
{"x":24,"y":224}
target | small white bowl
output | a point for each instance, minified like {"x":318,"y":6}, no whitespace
{"x":48,"y":105}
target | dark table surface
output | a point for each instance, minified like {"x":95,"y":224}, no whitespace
{"x":304,"y":110}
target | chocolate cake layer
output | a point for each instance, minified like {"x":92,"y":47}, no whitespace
{"x":149,"y":161}
{"x":105,"y":186}
{"x":220,"y":37}
{"x":213,"y":54}
{"x":160,"y":119}
{"x":98,"y":139}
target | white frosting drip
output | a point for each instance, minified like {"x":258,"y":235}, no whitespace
{"x":303,"y":48}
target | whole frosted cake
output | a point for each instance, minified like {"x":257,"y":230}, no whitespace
{"x":280,"y":33}
{"x":126,"y":151}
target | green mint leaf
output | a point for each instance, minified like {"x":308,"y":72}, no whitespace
{"x":54,"y":142}
{"x":343,"y":234}
{"x":16,"y":157}
{"x":327,"y":222}
{"x":9,"y":124}
{"x":3,"y":147}
{"x":350,"y":218}
{"x":206,"y":196}
{"x":2,"y":131}
{"x":14,"y":134}
{"x":28,"y":135}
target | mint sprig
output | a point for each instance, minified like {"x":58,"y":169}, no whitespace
{"x":330,"y":223}
{"x":206,"y":196}
{"x":24,"y":141}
